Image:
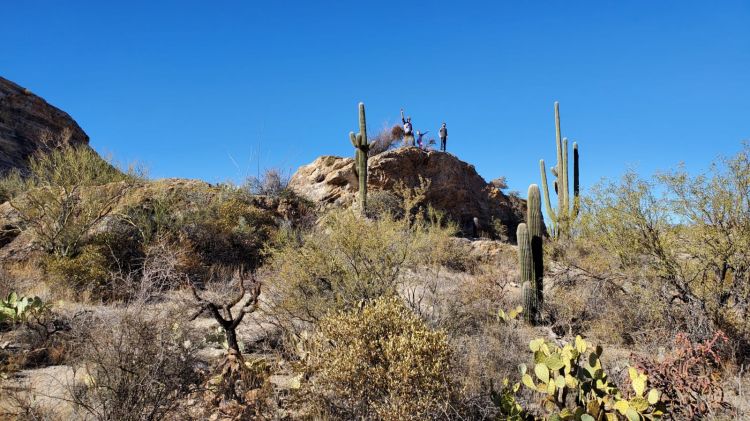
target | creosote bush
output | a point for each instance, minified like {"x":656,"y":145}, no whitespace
{"x":379,"y":362}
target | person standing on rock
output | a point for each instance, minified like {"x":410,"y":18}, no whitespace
{"x":408,"y":129}
{"x":443,"y":137}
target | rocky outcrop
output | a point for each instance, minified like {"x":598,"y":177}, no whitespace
{"x":28,"y":123}
{"x":455,"y":186}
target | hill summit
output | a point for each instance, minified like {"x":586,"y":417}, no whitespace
{"x":455,"y":187}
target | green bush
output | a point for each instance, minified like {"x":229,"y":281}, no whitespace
{"x":347,"y":259}
{"x":67,"y":192}
{"x":11,"y":185}
{"x":670,"y":251}
{"x":88,"y":271}
{"x":380,"y":362}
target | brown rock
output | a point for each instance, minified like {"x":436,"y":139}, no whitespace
{"x":28,"y":123}
{"x":455,"y":186}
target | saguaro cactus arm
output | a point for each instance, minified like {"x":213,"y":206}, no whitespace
{"x":547,"y":201}
{"x":576,"y":186}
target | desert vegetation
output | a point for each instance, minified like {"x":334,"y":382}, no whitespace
{"x":181,"y":300}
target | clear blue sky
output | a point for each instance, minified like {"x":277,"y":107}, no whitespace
{"x":184,"y":85}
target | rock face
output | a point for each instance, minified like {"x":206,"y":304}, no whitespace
{"x":28,"y":123}
{"x":455,"y":187}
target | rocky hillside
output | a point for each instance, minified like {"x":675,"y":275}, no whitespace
{"x":28,"y":123}
{"x":455,"y":186}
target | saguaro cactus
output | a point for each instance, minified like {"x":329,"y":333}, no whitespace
{"x":359,"y":141}
{"x":534,"y":223}
{"x":566,"y":212}
{"x":526,"y":272}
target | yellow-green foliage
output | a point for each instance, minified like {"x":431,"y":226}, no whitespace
{"x":575,"y":386}
{"x":11,"y":185}
{"x":87,"y":271}
{"x":346,"y":259}
{"x":379,"y":362}
{"x":61,"y":202}
{"x":669,"y":250}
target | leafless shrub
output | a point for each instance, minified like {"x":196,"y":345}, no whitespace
{"x":386,"y":139}
{"x":500,"y":183}
{"x":136,"y":363}
{"x":221,"y":310}
{"x":273,"y":182}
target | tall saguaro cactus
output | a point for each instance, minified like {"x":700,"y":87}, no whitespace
{"x":531,"y":256}
{"x":359,"y":141}
{"x":567,"y":212}
{"x":526,"y":272}
{"x":534,"y":221}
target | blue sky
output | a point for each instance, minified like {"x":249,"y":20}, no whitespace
{"x":196,"y":89}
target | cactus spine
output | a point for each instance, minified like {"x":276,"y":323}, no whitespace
{"x":359,"y":141}
{"x":563,"y":218}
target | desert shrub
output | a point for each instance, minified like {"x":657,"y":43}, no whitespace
{"x":381,"y":202}
{"x":385,"y":139}
{"x":68,"y":191}
{"x":228,"y":230}
{"x":688,"y":376}
{"x":273,"y":182}
{"x":136,"y":363}
{"x":347,"y":259}
{"x":88,"y":271}
{"x":379,"y":362}
{"x":154,"y":219}
{"x":11,"y":185}
{"x":500,"y":183}
{"x":670,"y":250}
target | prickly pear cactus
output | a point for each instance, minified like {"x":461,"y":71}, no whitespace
{"x":359,"y":141}
{"x":575,"y":370}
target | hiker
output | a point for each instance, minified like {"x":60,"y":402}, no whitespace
{"x":419,"y":139}
{"x":408,"y":134}
{"x":443,"y":137}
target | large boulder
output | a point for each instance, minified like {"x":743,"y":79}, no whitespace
{"x":28,"y":124}
{"x":455,"y":186}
